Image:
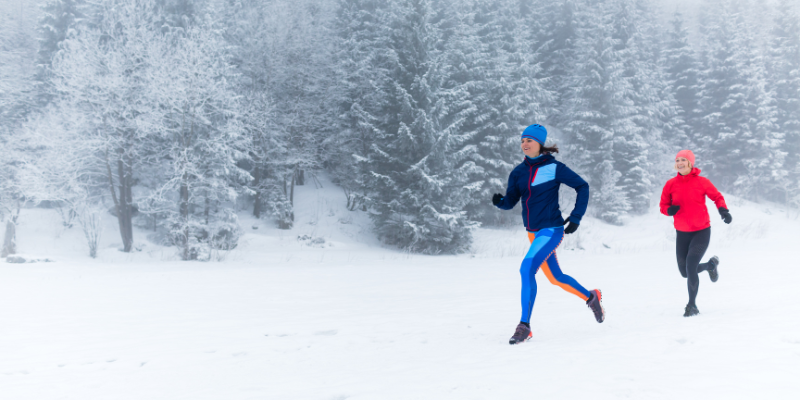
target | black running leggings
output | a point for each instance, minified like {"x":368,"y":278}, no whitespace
{"x":690,"y":248}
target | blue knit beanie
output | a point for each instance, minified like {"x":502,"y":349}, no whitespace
{"x":535,"y":132}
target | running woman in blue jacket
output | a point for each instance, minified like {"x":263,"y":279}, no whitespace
{"x":536,"y":181}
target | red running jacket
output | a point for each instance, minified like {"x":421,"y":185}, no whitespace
{"x":690,"y":193}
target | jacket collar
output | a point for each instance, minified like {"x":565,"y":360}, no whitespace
{"x":541,"y":160}
{"x":695,"y":172}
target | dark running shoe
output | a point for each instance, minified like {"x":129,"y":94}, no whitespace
{"x":691,"y":310}
{"x":713,"y":273}
{"x":522,"y":334}
{"x":596,"y":306}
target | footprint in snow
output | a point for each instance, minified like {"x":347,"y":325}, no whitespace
{"x":326,"y":333}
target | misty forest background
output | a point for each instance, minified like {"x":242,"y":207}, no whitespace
{"x":177,"y":115}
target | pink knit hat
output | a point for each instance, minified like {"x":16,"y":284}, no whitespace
{"x":687,"y":154}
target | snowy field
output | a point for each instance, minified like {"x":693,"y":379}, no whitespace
{"x":338,"y":316}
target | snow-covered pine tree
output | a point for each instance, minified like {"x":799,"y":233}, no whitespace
{"x":491,"y":53}
{"x":201,"y":138}
{"x":420,"y":188}
{"x":17,"y":61}
{"x":638,"y":130}
{"x":598,"y":108}
{"x":177,"y":13}
{"x":249,"y":50}
{"x":303,"y":88}
{"x":58,"y":17}
{"x":682,"y":68}
{"x":763,"y":159}
{"x":17,"y":97}
{"x":724,"y":102}
{"x":784,"y":77}
{"x":364,"y":58}
{"x":559,"y":25}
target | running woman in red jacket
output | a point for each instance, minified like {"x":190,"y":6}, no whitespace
{"x":684,"y":199}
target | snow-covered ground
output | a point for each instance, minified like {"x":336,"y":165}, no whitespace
{"x":336,"y":315}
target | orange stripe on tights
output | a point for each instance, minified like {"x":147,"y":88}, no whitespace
{"x":551,"y":278}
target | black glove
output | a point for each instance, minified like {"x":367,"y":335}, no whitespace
{"x":497,"y":198}
{"x":726,"y":216}
{"x":672,"y":210}
{"x":571,"y":228}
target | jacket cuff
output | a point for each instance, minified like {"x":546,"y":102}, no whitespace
{"x":575,"y":219}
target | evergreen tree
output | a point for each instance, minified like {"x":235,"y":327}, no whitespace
{"x":599,"y":110}
{"x":199,"y":136}
{"x":364,"y":57}
{"x":17,"y":101}
{"x":492,"y":56}
{"x":560,"y":27}
{"x":724,"y":96}
{"x":784,"y":76}
{"x":637,"y":130}
{"x":59,"y":16}
{"x":763,"y":159}
{"x":681,"y":67}
{"x":283,"y":51}
{"x":420,"y":184}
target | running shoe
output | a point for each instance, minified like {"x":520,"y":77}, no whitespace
{"x":522,"y":334}
{"x":596,"y":306}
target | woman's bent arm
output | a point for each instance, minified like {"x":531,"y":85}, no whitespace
{"x":573,"y":180}
{"x":714,"y":194}
{"x":666,"y":198}
{"x":512,"y":194}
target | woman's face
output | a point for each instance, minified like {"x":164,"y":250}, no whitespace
{"x":683,"y":166}
{"x":530,"y":147}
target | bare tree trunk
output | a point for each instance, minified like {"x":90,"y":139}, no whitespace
{"x":257,"y":185}
{"x":10,"y":241}
{"x":207,"y":208}
{"x":126,"y":207}
{"x":122,"y":202}
{"x":184,"y":213}
{"x":291,"y":193}
{"x":301,"y":177}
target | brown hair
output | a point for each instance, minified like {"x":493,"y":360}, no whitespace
{"x":547,"y":150}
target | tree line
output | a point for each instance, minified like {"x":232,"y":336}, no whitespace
{"x":168,"y":113}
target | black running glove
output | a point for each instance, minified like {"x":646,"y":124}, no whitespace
{"x":672,"y":210}
{"x":571,"y":228}
{"x":497,"y":198}
{"x":725,"y":214}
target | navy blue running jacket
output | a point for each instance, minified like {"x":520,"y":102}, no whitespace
{"x":536,"y":182}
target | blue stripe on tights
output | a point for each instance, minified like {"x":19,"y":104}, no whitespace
{"x":543,"y":245}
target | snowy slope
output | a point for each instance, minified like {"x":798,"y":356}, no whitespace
{"x":347,"y":318}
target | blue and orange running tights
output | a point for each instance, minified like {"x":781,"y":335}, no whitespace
{"x":542,"y":254}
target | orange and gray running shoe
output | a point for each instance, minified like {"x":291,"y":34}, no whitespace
{"x":596,"y":306}
{"x":522,"y":334}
